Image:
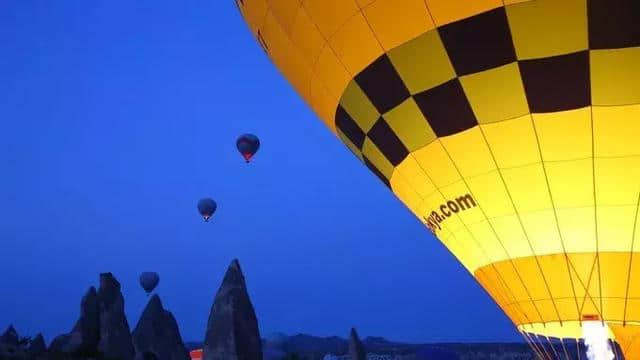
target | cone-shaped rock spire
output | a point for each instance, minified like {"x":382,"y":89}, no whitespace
{"x":232,"y":330}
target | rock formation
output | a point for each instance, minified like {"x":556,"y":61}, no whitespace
{"x":232,"y":329}
{"x":84,"y":337}
{"x":37,"y":347}
{"x":102,"y":327}
{"x":10,"y":347}
{"x":115,"y":335}
{"x":356,"y":350}
{"x":10,"y":336}
{"x":157,"y":334}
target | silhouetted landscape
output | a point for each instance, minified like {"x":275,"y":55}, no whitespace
{"x":102,"y":332}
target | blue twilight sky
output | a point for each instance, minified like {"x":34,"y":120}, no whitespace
{"x":116,"y":116}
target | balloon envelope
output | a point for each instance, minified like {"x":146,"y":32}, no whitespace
{"x":206,"y":208}
{"x":149,"y":280}
{"x":248,"y":145}
{"x":516,"y":145}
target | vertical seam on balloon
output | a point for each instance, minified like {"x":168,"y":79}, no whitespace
{"x":375,"y":36}
{"x":435,"y":26}
{"x":491,"y":262}
{"x":555,"y":213}
{"x":633,"y":238}
{"x":504,"y":183}
{"x":553,"y":348}
{"x":493,"y":229}
{"x":595,"y":207}
{"x":587,"y":294}
{"x":564,"y":349}
{"x":548,"y":356}
{"x":593,"y":168}
{"x":531,"y":344}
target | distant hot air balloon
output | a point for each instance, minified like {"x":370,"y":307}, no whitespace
{"x":509,"y":128}
{"x":248,"y":145}
{"x":149,"y":280}
{"x":206,"y":208}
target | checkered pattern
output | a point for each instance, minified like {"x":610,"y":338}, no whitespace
{"x":532,"y":107}
{"x":524,"y":58}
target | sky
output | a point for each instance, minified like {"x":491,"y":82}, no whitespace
{"x":117,"y":116}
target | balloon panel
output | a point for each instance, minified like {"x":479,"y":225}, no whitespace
{"x":508,"y":128}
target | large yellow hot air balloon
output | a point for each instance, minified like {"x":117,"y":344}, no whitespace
{"x":510,"y":128}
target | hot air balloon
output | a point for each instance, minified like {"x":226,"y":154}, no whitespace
{"x":206,"y":208}
{"x":509,"y":128}
{"x":248,"y":145}
{"x":149,"y":280}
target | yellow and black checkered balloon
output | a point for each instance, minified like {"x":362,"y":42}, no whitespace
{"x":510,"y":128}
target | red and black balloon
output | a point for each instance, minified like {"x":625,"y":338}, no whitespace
{"x":248,"y":145}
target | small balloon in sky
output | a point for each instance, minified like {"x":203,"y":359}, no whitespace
{"x":206,"y":208}
{"x":149,"y":280}
{"x":248,"y":145}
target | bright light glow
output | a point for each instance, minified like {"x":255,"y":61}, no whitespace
{"x":596,"y":340}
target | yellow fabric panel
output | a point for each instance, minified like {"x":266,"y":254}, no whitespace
{"x":288,"y":59}
{"x":512,"y":142}
{"x":401,"y":188}
{"x":437,"y":164}
{"x":394,"y":22}
{"x":306,"y":36}
{"x":615,"y":227}
{"x":496,"y":94}
{"x":571,"y":183}
{"x":415,"y":176}
{"x":447,"y":11}
{"x":330,"y":15}
{"x":371,"y":151}
{"x":469,"y":163}
{"x":568,"y":329}
{"x":354,"y":149}
{"x":613,"y":309}
{"x":509,"y":2}
{"x":547,"y":309}
{"x":512,"y":236}
{"x":584,"y":274}
{"x":528,"y":188}
{"x":557,"y":273}
{"x":332,"y":72}
{"x":615,"y":130}
{"x":359,"y":107}
{"x":533,"y":314}
{"x":634,"y":277}
{"x":254,"y":14}
{"x":633,"y":309}
{"x":491,"y":195}
{"x":544,"y":28}
{"x":356,"y":33}
{"x":410,"y":125}
{"x":564,"y":135}
{"x":363,"y":3}
{"x":483,"y":232}
{"x":615,"y":76}
{"x":629,"y":339}
{"x":423,"y":63}
{"x":533,"y":279}
{"x":510,"y":276}
{"x":542,"y":232}
{"x":614,"y":283}
{"x":578,"y":229}
{"x":470,"y":254}
{"x":567,"y":308}
{"x":323,"y":102}
{"x":285,"y":12}
{"x":617,"y":181}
